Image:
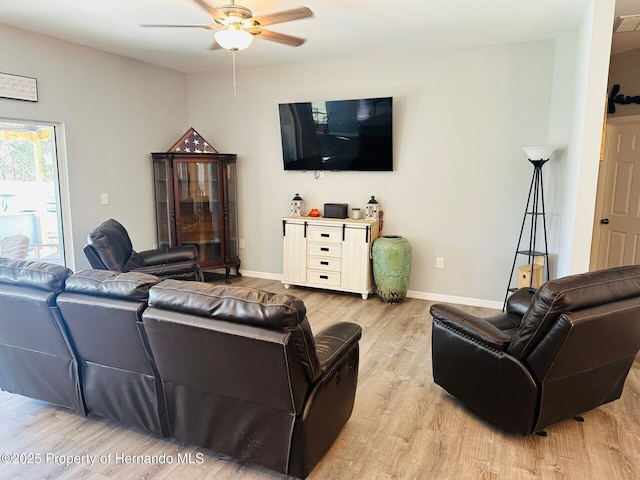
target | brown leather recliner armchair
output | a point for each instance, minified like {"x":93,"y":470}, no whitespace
{"x":109,"y":248}
{"x":553,"y":354}
{"x":243,"y":374}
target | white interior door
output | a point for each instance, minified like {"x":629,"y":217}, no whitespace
{"x":619,"y":225}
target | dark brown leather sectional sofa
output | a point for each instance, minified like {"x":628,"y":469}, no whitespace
{"x":232,"y":369}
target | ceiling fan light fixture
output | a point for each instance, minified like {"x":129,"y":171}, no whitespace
{"x":234,"y":38}
{"x":229,"y":14}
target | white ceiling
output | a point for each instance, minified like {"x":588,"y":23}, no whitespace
{"x":338,"y":29}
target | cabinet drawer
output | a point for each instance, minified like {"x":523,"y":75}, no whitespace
{"x":324,"y":234}
{"x":323,"y":278}
{"x":325,"y":249}
{"x":325,"y":263}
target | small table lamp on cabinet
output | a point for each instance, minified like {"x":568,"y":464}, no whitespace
{"x":372,"y":209}
{"x":534,"y":210}
{"x":297,"y":206}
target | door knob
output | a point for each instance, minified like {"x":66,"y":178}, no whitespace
{"x":604,"y":221}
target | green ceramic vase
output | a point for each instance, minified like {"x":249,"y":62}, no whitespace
{"x":391,"y":267}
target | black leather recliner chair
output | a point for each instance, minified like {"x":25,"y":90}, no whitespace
{"x":37,"y":358}
{"x":243,"y":374}
{"x":553,"y":354}
{"x":109,"y":248}
{"x":102,"y":311}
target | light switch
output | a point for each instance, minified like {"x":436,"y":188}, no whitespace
{"x":105,"y":198}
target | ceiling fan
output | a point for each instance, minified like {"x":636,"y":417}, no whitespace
{"x":236,"y":27}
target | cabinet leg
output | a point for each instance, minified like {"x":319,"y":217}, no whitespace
{"x":365,"y":296}
{"x":227,"y":271}
{"x":238,"y":270}
{"x":287,"y":286}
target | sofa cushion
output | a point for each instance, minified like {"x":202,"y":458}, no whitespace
{"x":41,"y":275}
{"x":229,"y":303}
{"x":572,"y":294}
{"x":106,"y":283}
{"x":242,"y":305}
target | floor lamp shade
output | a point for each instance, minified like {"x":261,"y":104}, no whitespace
{"x":539,"y":153}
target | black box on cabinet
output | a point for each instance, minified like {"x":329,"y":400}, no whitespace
{"x":335,"y":210}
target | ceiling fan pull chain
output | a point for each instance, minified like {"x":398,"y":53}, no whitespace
{"x":233,"y":57}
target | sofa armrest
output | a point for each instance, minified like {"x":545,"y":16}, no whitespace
{"x":472,"y":326}
{"x":330,"y":401}
{"x":335,"y":341}
{"x":165,"y":255}
{"x":180,"y":270}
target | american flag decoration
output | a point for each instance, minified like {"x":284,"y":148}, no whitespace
{"x":192,"y":142}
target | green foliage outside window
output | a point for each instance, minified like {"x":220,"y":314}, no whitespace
{"x":17,"y":159}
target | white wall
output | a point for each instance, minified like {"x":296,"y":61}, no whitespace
{"x":560,"y":131}
{"x":114,"y":111}
{"x":581,"y":170}
{"x":460,"y":179}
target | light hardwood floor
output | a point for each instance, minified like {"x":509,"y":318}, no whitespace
{"x":403,"y":426}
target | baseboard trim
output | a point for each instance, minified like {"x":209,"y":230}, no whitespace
{"x":431,"y":297}
{"x":471,"y":302}
{"x":263,"y":275}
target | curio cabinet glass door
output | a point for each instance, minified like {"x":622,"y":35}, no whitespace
{"x":196,"y":204}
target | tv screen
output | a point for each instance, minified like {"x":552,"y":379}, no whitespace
{"x":338,"y":135}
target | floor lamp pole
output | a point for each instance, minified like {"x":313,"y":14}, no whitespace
{"x":534,"y":210}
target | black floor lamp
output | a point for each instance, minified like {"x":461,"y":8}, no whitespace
{"x":534,"y":211}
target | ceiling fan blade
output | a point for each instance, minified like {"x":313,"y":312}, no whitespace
{"x":286,"y":16}
{"x":277,"y":37}
{"x":206,"y":27}
{"x":204,"y":5}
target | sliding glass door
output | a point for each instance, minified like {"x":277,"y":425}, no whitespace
{"x":30,"y":213}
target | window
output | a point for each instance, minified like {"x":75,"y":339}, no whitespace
{"x":30,"y":213}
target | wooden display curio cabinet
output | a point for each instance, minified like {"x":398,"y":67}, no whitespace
{"x":196,"y":201}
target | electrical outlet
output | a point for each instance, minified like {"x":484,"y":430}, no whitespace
{"x":439,"y":262}
{"x":104,"y":198}
{"x":241,"y":243}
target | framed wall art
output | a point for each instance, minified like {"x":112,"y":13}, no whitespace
{"x":18,"y":87}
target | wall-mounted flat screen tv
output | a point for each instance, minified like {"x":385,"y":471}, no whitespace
{"x":338,"y":135}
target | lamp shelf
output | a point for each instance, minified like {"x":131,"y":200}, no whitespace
{"x":532,"y":253}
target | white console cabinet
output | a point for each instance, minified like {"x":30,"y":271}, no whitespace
{"x":329,"y":253}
